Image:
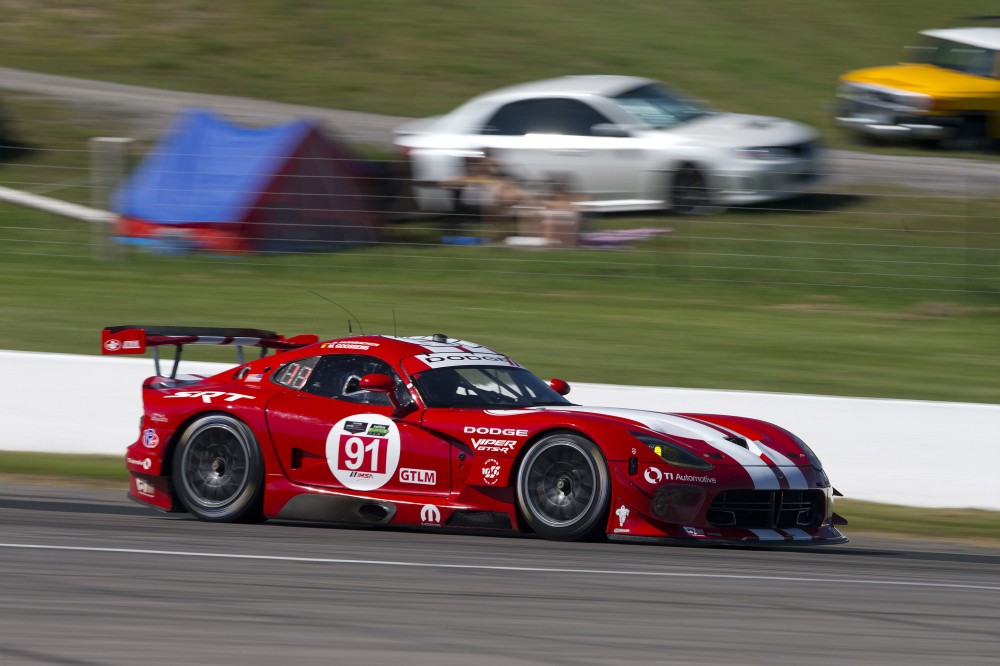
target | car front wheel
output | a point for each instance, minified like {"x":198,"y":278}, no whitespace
{"x":689,"y":192}
{"x":563,"y":488}
{"x":217,"y":470}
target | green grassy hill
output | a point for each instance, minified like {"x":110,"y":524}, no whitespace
{"x":417,"y":58}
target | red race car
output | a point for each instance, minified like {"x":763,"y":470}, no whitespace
{"x":435,"y":432}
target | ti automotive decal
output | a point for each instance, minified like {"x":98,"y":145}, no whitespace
{"x":363,"y":460}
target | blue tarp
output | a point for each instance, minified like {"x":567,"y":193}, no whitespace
{"x":207,"y":170}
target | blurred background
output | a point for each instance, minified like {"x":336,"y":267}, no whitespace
{"x":881,"y":278}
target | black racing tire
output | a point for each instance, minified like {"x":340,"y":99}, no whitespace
{"x":218,"y":471}
{"x":690,"y":193}
{"x":564,"y":488}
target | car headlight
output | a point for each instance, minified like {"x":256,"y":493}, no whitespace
{"x":764,"y":153}
{"x":672,"y":453}
{"x":810,"y":454}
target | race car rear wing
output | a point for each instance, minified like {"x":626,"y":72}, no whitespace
{"x":135,"y":339}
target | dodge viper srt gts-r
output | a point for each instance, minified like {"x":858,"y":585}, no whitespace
{"x":433,"y":432}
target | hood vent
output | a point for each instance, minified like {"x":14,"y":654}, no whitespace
{"x":739,"y":441}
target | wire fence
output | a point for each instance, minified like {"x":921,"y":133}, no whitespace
{"x":925,"y":236}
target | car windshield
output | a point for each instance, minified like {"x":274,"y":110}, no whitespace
{"x":489,"y":387}
{"x":659,"y":107}
{"x":964,"y":58}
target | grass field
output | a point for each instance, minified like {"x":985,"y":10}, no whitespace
{"x":779,"y":57}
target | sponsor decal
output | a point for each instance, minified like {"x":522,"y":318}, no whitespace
{"x":113,"y":345}
{"x":691,"y":478}
{"x":145,"y":463}
{"x":430,"y":515}
{"x":363,"y":461}
{"x":145,"y":488}
{"x":209,"y":396}
{"x":156,"y":417}
{"x":423,"y":477}
{"x":494,"y":445}
{"x":694,"y":531}
{"x":131,"y":344}
{"x":360,"y":346}
{"x":150,"y":439}
{"x":656,"y":475}
{"x":622,"y":513}
{"x":355,"y":426}
{"x":445,"y":360}
{"x":491,"y":472}
{"x":505,"y":432}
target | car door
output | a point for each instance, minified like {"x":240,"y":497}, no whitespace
{"x":329,"y":433}
{"x":553,"y":138}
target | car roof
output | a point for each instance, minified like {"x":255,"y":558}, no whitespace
{"x":395,"y":349}
{"x":987,"y":38}
{"x":607,"y":85}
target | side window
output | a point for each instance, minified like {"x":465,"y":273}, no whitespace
{"x":545,"y":116}
{"x":339,"y":376}
{"x":297,"y":373}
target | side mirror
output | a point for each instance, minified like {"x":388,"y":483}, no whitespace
{"x":385,"y":384}
{"x":610,"y":130}
{"x":379,"y":383}
{"x":560,"y":386}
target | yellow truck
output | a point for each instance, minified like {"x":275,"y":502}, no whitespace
{"x":947,"y":92}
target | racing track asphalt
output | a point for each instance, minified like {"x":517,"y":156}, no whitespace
{"x":147,"y":111}
{"x":87,"y":577}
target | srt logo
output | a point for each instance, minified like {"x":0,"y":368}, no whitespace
{"x":430,"y":514}
{"x":208,"y":396}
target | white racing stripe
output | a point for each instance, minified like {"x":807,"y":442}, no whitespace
{"x":768,"y":535}
{"x":797,"y":534}
{"x":763,"y":477}
{"x":486,"y":567}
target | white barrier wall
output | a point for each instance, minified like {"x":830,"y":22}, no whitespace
{"x":895,"y":451}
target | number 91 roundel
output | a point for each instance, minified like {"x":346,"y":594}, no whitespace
{"x":363,"y":451}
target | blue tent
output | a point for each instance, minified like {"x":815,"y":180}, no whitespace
{"x":280,"y":188}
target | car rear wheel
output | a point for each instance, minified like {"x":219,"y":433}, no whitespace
{"x":689,"y":192}
{"x":217,"y":470}
{"x":563,"y":488}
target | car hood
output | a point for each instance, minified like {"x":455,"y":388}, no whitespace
{"x":920,"y":78}
{"x":743,"y":131}
{"x":690,"y":428}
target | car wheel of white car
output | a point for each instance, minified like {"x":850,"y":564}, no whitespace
{"x":563,"y":488}
{"x":689,"y":192}
{"x":218,"y":472}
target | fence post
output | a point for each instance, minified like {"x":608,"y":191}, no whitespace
{"x":107,"y":169}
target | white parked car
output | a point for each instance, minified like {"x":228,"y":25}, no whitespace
{"x":625,"y":143}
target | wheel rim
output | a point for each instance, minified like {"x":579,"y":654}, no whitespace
{"x":560,"y":484}
{"x":214,"y":467}
{"x":689,"y":192}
